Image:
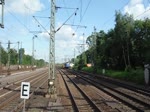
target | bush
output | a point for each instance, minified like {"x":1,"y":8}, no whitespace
{"x":75,"y":68}
{"x":87,"y":69}
{"x":136,"y":76}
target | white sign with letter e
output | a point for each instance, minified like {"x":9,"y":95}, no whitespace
{"x":25,"y":90}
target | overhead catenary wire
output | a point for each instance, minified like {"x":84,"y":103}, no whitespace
{"x":65,"y":6}
{"x":5,"y":32}
{"x":139,"y":15}
{"x":74,"y":13}
{"x":35,"y":10}
{"x":114,"y":15}
{"x":134,"y":17}
{"x":41,"y":25}
{"x":57,"y":7}
{"x":84,"y":13}
{"x":142,"y":13}
{"x":42,"y":17}
{"x":73,"y":19}
{"x":18,"y":20}
{"x":76,"y":25}
{"x":80,"y":10}
{"x":86,"y":9}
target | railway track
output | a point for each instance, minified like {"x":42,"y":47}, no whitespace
{"x":132,"y":96}
{"x":78,"y":105}
{"x":142,"y":90}
{"x":10,"y":94}
{"x":94,"y":98}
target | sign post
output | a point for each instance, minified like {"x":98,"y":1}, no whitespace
{"x":25,"y":92}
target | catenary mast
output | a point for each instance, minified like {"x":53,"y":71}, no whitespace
{"x":51,"y":78}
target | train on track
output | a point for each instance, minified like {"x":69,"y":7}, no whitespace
{"x":68,"y":65}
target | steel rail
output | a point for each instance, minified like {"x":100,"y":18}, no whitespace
{"x":20,"y":105}
{"x":96,"y":109}
{"x":129,"y":97}
{"x":17,"y":94}
{"x":75,"y":107}
{"x":125,"y":85}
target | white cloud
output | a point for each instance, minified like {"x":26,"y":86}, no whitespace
{"x":24,"y":6}
{"x":44,"y":35}
{"x":65,"y":33}
{"x":137,"y":9}
{"x":134,"y":2}
{"x":65,"y":42}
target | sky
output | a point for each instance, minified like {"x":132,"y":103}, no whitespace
{"x":20,"y":26}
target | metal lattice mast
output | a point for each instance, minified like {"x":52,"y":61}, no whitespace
{"x":0,"y":58}
{"x":35,"y":36}
{"x":8,"y":61}
{"x":18,"y":55}
{"x":2,"y":13}
{"x":51,"y":78}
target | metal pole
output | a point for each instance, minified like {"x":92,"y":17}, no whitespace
{"x":24,"y":106}
{"x":94,"y":36}
{"x":95,"y":50}
{"x":2,"y":20}
{"x":8,"y":58}
{"x":51,"y":77}
{"x":33,"y":51}
{"x":20,"y":58}
{"x":74,"y":55}
{"x":0,"y":54}
{"x":83,"y":52}
{"x":18,"y":54}
{"x":83,"y":43}
{"x":0,"y":58}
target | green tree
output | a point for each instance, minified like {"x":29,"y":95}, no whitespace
{"x":123,"y":28}
{"x":4,"y":56}
{"x":27,"y":60}
{"x":13,"y":57}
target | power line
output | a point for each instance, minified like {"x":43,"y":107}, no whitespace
{"x":65,"y":6}
{"x":67,"y":20}
{"x":84,"y":14}
{"x":114,"y":15}
{"x":86,"y":9}
{"x":35,"y":10}
{"x":41,"y":25}
{"x":80,"y":10}
{"x":42,"y":17}
{"x":136,"y":16}
{"x":68,"y":13}
{"x":143,"y":13}
{"x":76,"y":25}
{"x":18,"y":20}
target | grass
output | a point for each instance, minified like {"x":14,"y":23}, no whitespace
{"x":87,"y":69}
{"x":136,"y":76}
